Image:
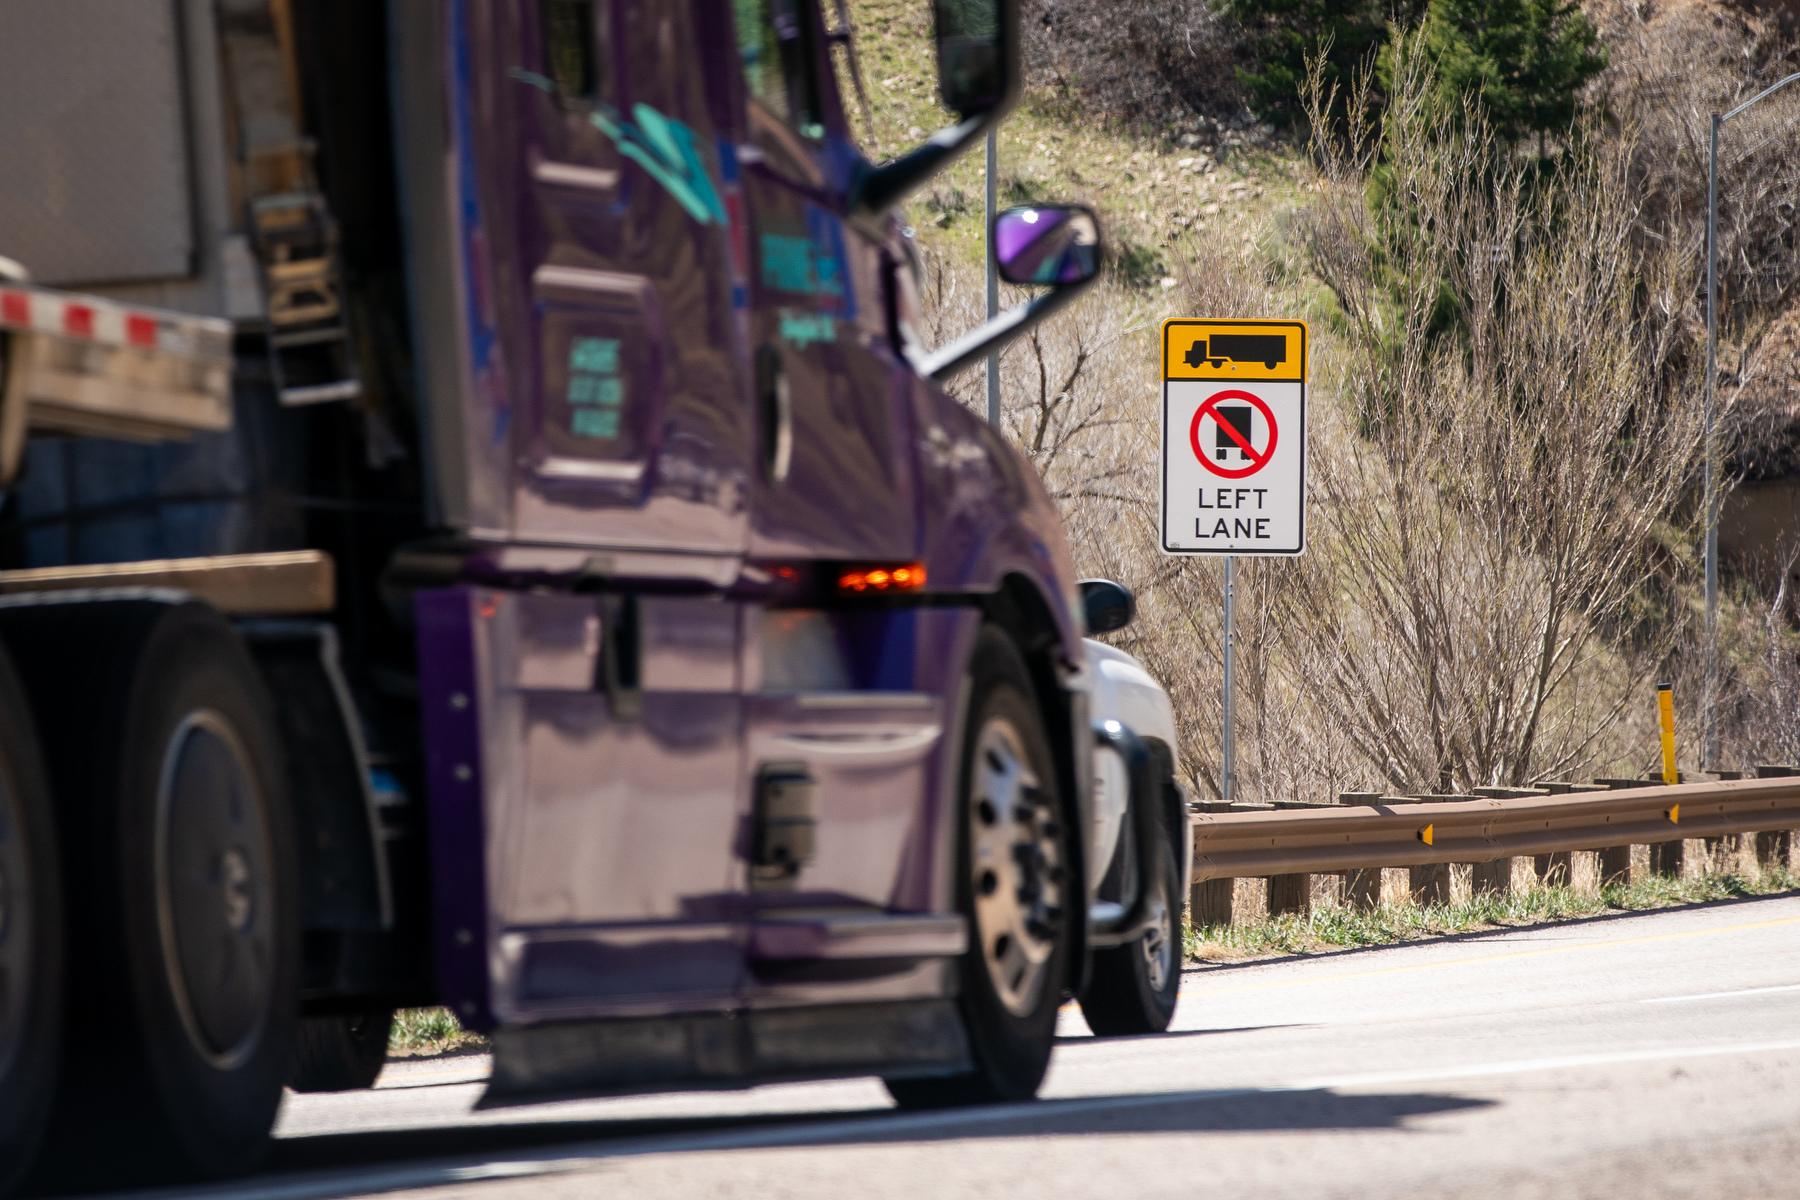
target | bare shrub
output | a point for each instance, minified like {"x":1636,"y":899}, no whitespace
{"x":1153,"y":64}
{"x":1759,"y":711}
{"x":1475,"y":551}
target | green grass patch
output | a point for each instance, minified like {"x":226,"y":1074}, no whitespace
{"x":426,"y":1031}
{"x":1336,"y":927}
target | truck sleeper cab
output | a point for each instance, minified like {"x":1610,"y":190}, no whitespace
{"x":594,"y":617}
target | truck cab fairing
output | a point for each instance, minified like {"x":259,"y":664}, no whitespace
{"x":680,"y":380}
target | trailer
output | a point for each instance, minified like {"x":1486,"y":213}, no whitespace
{"x":481,"y":527}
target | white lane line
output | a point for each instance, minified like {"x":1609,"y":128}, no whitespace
{"x":574,"y":1156}
{"x":1525,"y":1066}
{"x":1755,"y":991}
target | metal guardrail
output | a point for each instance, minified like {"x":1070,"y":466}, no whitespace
{"x":1376,"y":835}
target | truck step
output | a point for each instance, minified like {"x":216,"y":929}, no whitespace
{"x":347,"y":389}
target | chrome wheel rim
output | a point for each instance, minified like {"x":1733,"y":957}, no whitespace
{"x":15,"y":924}
{"x":212,"y":880}
{"x":1158,"y":942}
{"x":1017,"y":867}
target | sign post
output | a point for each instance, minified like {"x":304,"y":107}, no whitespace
{"x":1228,"y":750}
{"x":1233,"y":454}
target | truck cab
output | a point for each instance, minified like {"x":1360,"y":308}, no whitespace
{"x":563,"y":555}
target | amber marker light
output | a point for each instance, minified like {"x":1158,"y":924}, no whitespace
{"x":907,"y":578}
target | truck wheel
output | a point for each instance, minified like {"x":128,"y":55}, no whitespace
{"x":163,"y":748}
{"x":341,"y":1052}
{"x":1133,"y":988}
{"x":1012,"y":885}
{"x":31,"y":939}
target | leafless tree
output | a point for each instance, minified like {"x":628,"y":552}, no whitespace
{"x":1488,"y":528}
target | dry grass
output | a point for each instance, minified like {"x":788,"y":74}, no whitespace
{"x":1336,"y":927}
{"x":423,"y":1032}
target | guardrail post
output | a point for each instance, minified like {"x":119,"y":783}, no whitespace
{"x":1290,"y":893}
{"x":1724,"y":852}
{"x":1495,"y":878}
{"x":1557,"y":869}
{"x":1616,"y":865}
{"x":1362,"y":889}
{"x":1774,"y":847}
{"x":1426,"y":885}
{"x":1209,"y":900}
{"x":1431,"y":884}
{"x":1667,"y":859}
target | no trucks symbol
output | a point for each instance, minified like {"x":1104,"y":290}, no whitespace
{"x":1225,"y":430}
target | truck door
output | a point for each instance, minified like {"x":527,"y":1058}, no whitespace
{"x":839,"y":695}
{"x":833,"y":477}
{"x":611,"y":468}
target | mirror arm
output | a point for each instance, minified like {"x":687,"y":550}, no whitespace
{"x":878,"y":189}
{"x":940,"y":365}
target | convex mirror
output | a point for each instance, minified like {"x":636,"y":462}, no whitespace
{"x":1040,"y":245}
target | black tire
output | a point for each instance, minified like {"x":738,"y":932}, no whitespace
{"x":341,"y":1052}
{"x":179,"y":853}
{"x":1132,"y":989}
{"x":31,"y":939}
{"x":1010,"y":1035}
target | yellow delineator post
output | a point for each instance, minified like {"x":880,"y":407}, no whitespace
{"x":1665,"y":716}
{"x":1666,"y":857}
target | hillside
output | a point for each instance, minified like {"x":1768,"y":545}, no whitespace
{"x":1201,"y":175}
{"x":1207,"y":211}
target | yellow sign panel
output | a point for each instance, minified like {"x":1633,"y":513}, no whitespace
{"x":1245,"y":351}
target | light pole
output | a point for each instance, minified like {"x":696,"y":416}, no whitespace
{"x":1710,"y":750}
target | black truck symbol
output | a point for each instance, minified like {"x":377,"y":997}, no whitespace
{"x":1269,"y":349}
{"x":1239,"y":417}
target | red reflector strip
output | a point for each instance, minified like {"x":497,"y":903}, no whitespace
{"x":174,"y":334}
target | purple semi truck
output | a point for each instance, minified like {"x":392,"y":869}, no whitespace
{"x":479,"y":527}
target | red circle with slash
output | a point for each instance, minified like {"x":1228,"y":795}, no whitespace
{"x":1210,"y":409}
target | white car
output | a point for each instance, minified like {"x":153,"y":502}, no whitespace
{"x":1133,"y":988}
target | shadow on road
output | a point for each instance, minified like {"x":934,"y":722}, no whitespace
{"x":335,"y":1165}
{"x":349,"y":1164}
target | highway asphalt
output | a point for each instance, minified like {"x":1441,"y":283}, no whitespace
{"x":1646,"y":1056}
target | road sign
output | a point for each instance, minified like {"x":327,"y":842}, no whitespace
{"x":1234,"y":437}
